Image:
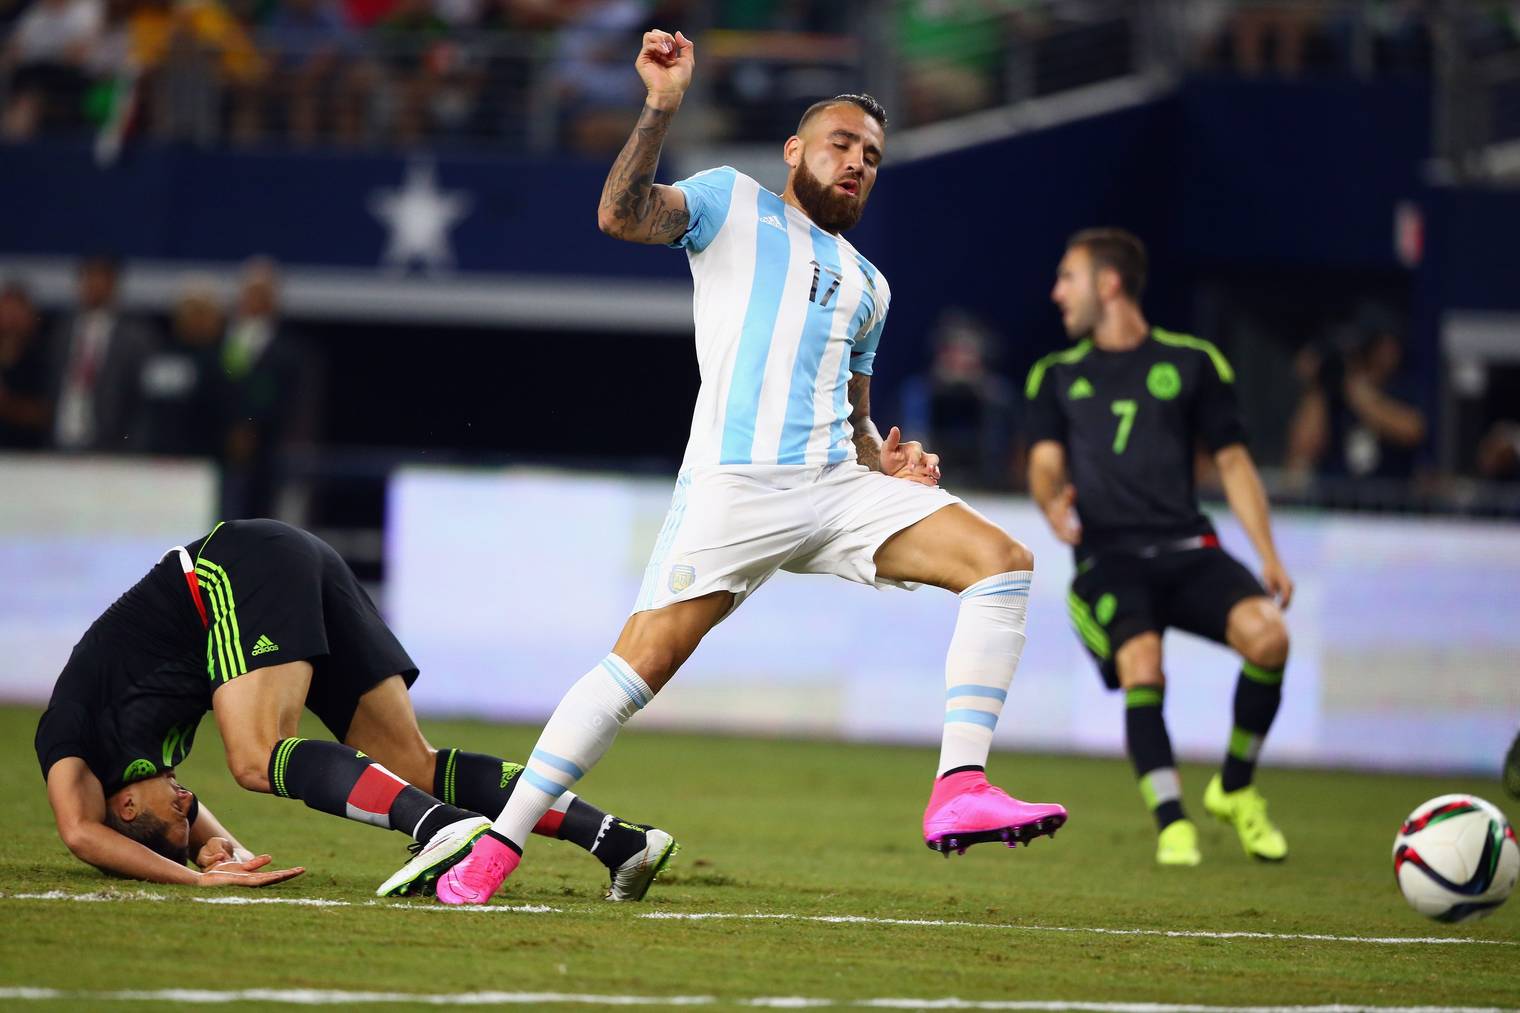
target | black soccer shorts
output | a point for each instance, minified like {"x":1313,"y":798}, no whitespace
{"x":275,"y":594}
{"x":1117,"y":596}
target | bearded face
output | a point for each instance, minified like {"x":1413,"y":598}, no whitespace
{"x":835,"y":206}
{"x":834,"y":158}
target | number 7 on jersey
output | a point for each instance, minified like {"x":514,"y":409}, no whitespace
{"x":1125,"y":409}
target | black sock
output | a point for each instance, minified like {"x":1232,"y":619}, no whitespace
{"x":610,"y":839}
{"x":337,"y":779}
{"x":474,"y":781}
{"x":484,"y":783}
{"x":1150,"y":750}
{"x":1257,"y":696}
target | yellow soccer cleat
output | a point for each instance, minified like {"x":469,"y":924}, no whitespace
{"x":1178,"y":844}
{"x":1246,"y":811}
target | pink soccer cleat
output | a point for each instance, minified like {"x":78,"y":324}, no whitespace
{"x":480,"y":874}
{"x":965,"y":810}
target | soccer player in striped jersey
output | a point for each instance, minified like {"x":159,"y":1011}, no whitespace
{"x":255,"y":621}
{"x":784,"y":469}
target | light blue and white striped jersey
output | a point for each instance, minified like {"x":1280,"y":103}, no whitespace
{"x":785,"y":312}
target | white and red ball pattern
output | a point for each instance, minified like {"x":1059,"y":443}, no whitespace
{"x":1456,"y":858}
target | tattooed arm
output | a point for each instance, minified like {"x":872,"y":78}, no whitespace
{"x":633,"y":206}
{"x":865,"y":435}
{"x":890,"y":456}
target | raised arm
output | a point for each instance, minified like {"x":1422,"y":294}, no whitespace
{"x":1248,"y":500}
{"x":633,"y":206}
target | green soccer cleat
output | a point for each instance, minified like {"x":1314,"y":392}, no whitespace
{"x":1512,"y":769}
{"x":1246,"y":810}
{"x":1178,"y":844}
{"x":448,"y":847}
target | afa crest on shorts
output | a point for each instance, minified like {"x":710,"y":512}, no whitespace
{"x":682,"y":577}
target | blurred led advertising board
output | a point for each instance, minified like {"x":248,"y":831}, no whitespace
{"x":506,"y":586}
{"x":75,"y":532}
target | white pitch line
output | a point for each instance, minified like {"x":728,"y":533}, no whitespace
{"x":103,"y":896}
{"x":107,"y":896}
{"x":334,"y":997}
{"x":1170,"y":933}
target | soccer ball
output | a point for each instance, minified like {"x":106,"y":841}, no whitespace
{"x":1456,"y":858}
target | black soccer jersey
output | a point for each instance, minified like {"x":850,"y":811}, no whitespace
{"x":1130,"y":422}
{"x":135,"y":688}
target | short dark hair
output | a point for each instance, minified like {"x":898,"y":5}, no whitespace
{"x":1118,"y":250}
{"x":872,"y":108}
{"x":149,"y":831}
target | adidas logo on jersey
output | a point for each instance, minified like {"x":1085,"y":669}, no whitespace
{"x":1079,"y":389}
{"x":264,"y":646}
{"x":773,"y":222}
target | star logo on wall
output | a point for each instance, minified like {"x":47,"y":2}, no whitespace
{"x":419,"y":216}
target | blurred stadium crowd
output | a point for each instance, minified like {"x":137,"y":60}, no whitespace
{"x":224,"y":380}
{"x":1356,"y":436}
{"x":536,"y":74}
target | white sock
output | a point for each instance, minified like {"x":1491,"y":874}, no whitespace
{"x":984,"y":652}
{"x":578,"y":733}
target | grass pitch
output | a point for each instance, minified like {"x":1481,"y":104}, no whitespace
{"x":803,"y":829}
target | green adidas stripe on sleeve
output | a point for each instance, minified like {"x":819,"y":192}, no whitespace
{"x":1067,"y":357}
{"x":1221,"y":364}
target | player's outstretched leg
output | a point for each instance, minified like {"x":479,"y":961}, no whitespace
{"x":384,"y":726}
{"x":958,"y":549}
{"x":1256,"y":629}
{"x":633,"y":853}
{"x":577,"y":735}
{"x":652,"y":646}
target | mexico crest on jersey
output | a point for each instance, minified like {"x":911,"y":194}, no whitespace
{"x":682,"y":577}
{"x":1163,"y":381}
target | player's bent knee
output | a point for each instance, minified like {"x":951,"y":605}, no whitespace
{"x":655,"y":663}
{"x":1258,"y":632}
{"x":1142,"y":674}
{"x":1268,"y":645}
{"x":414,"y":766}
{"x":1004,"y":554}
{"x":249,"y":771}
{"x":1138,"y":662}
{"x":1016,"y":556}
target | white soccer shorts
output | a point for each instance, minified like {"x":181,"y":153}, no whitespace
{"x":730,"y":527}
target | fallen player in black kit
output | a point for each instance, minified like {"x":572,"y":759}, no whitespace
{"x":124,"y":712}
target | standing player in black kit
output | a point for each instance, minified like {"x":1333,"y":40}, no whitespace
{"x":1113,"y":424}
